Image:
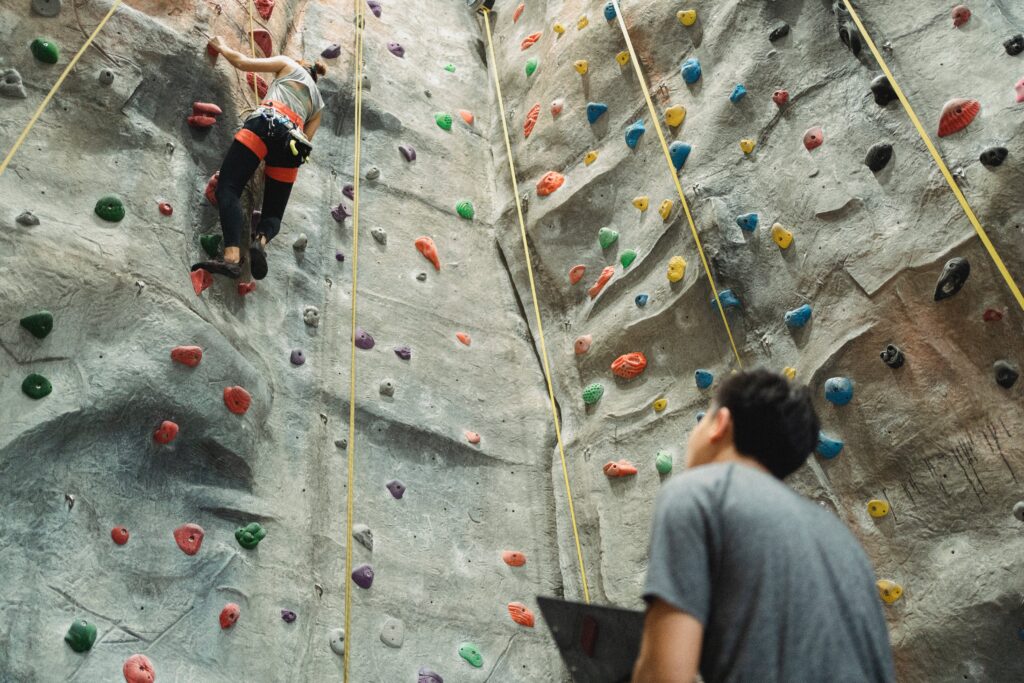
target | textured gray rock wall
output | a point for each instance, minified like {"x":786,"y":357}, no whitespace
{"x":936,"y":438}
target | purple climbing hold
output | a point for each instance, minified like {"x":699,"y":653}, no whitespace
{"x":349,"y":190}
{"x":425,"y":675}
{"x":363,"y":339}
{"x":403,"y":352}
{"x":339,"y":256}
{"x":340,"y":212}
{"x":396,"y":49}
{"x":374,"y":6}
{"x":332,"y":51}
{"x":288,"y":615}
{"x":408,"y":152}
{"x":396,"y":487}
{"x":363,"y":575}
{"x":298,"y":357}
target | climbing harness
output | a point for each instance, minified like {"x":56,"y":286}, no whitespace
{"x":536,"y":307}
{"x":283,"y":122}
{"x":982,"y":235}
{"x":675,"y":178}
{"x":56,"y":86}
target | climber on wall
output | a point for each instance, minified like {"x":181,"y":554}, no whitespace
{"x":748,"y":580}
{"x":278,"y":132}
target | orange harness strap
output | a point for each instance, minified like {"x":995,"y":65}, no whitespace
{"x":284,"y":109}
{"x":253,"y":142}
{"x":281,"y":174}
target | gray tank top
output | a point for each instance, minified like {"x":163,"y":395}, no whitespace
{"x":298,"y":92}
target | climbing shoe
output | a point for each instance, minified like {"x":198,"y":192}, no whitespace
{"x":257,"y":260}
{"x":220,"y":267}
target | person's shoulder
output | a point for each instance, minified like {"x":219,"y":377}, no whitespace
{"x":698,"y":484}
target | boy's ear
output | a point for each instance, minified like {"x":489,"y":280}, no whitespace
{"x":721,"y":425}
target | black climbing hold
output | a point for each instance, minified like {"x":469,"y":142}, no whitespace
{"x":848,"y":32}
{"x":954,"y":275}
{"x":878,"y":156}
{"x":1014,"y":45}
{"x":883,"y":91}
{"x":1006,"y":373}
{"x":39,"y":324}
{"x":994,"y":156}
{"x":36,"y":386}
{"x":892,"y":356}
{"x":780,"y":31}
{"x":106,"y":77}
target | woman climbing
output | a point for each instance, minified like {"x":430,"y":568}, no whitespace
{"x":278,"y":132}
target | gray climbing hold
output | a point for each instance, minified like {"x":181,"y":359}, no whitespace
{"x":105,"y":77}
{"x":336,"y":637}
{"x":780,"y":31}
{"x":994,"y":156}
{"x":878,"y":157}
{"x":848,"y":32}
{"x":298,"y":357}
{"x":1007,"y":373}
{"x":27,"y":218}
{"x":392,"y":633}
{"x":1018,"y":510}
{"x":954,"y":275}
{"x":425,"y":675}
{"x":46,"y":8}
{"x":380,"y":235}
{"x":387,"y":387}
{"x":300,"y":242}
{"x":341,"y":443}
{"x":362,"y":533}
{"x":422,"y":277}
{"x":11,"y":85}
{"x":311,"y":316}
{"x":892,"y":356}
{"x":373,"y":173}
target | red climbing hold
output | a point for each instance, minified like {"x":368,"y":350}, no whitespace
{"x":201,"y":121}
{"x":467,"y":116}
{"x":551,"y":181}
{"x":576,"y":273}
{"x":237,"y":400}
{"x":263,"y":42}
{"x":813,"y":138}
{"x":960,"y":16}
{"x":463,"y":337}
{"x":229,"y":615}
{"x":518,"y":12}
{"x":529,"y":40}
{"x":261,"y":85}
{"x":991,"y":315}
{"x":780,"y":97}
{"x":265,"y":8}
{"x":138,"y":669}
{"x":513,"y":558}
{"x":211,"y":188}
{"x":605,"y":276}
{"x":187,"y":355}
{"x":166,"y":432}
{"x":629,"y":365}
{"x":957,"y":114}
{"x":189,"y":538}
{"x":119,"y":535}
{"x":520,"y":614}
{"x":426,"y":246}
{"x":201,"y":280}
{"x":472,"y":437}
{"x":165,"y":208}
{"x":206,"y":109}
{"x":531,"y":120}
{"x":622,"y":468}
{"x":246,"y":288}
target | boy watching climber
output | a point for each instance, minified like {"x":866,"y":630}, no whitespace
{"x":749,"y":581}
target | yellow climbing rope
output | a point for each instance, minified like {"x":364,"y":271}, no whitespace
{"x":56,"y":86}
{"x":675,"y":178}
{"x":536,"y":308}
{"x":252,"y":48}
{"x":351,"y":451}
{"x":938,"y":160}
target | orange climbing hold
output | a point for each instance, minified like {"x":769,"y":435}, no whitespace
{"x":529,"y":40}
{"x":426,"y":246}
{"x":518,"y":12}
{"x":629,"y":365}
{"x":472,"y":437}
{"x":576,"y":273}
{"x":237,"y":400}
{"x":605,"y":276}
{"x":956,"y":115}
{"x":261,"y":85}
{"x":551,"y":181}
{"x":520,"y":614}
{"x":531,"y":120}
{"x":187,"y":355}
{"x":467,"y":116}
{"x":463,"y":337}
{"x":201,"y":280}
{"x":622,"y":468}
{"x":211,"y":188}
{"x":513,"y":558}
{"x":246,"y":288}
{"x":166,"y":432}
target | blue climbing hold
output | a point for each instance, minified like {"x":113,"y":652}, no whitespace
{"x":641,"y":300}
{"x":738,"y":93}
{"x":728,"y":299}
{"x":747,"y":221}
{"x":828,"y":447}
{"x":704,"y":378}
{"x":609,"y":11}
{"x":798,"y":317}
{"x":595,"y":110}
{"x":634,"y":132}
{"x":679,"y":151}
{"x":700,"y":416}
{"x":691,"y":70}
{"x":839,"y":390}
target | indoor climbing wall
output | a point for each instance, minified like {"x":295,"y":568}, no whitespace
{"x":173,"y":451}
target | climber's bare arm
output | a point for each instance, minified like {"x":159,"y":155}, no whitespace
{"x":243,"y":63}
{"x":312,"y":125}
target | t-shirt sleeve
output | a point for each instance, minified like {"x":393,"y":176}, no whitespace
{"x":679,"y":569}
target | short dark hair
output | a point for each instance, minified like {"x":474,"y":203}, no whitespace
{"x":773,"y":419}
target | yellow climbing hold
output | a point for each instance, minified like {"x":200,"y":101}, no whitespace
{"x":782,"y":237}
{"x":590,"y":157}
{"x":558,"y":28}
{"x":641,"y":202}
{"x":676,"y":268}
{"x":622,"y":58}
{"x":660,"y":405}
{"x":790,"y":373}
{"x":665,"y":209}
{"x":890,"y":591}
{"x":675,"y":114}
{"x":878,"y":508}
{"x":581,"y":66}
{"x":747,"y":145}
{"x":687,"y":17}
{"x":582,"y":23}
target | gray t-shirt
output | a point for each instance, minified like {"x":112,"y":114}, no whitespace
{"x":783,"y":589}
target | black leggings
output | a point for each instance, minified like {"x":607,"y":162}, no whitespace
{"x":258,"y":140}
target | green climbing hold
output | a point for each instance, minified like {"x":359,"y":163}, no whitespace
{"x":465,"y":209}
{"x":593,"y":393}
{"x":627,"y":258}
{"x":210,"y":244}
{"x":444,"y":121}
{"x":110,"y":208}
{"x":471,"y":653}
{"x":45,"y":51}
{"x":450,"y":68}
{"x":81,"y":635}
{"x":36,"y":386}
{"x":607,"y":237}
{"x":663,"y":462}
{"x":250,"y":535}
{"x":39,"y":324}
{"x":531,"y":65}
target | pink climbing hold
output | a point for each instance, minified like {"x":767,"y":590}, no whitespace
{"x":557,"y":106}
{"x":582,"y":344}
{"x":551,"y":181}
{"x":246,"y":288}
{"x":992,"y":315}
{"x":189,"y":538}
{"x":531,"y":120}
{"x":1019,"y":90}
{"x":472,"y":437}
{"x":629,"y":365}
{"x":529,"y":40}
{"x":622,"y":468}
{"x":229,"y":615}
{"x":463,"y":337}
{"x":813,"y":138}
{"x":961,"y":15}
{"x":237,"y":400}
{"x":119,"y":535}
{"x":201,"y":121}
{"x":426,"y":246}
{"x":513,"y":558}
{"x":263,"y":42}
{"x":165,"y":208}
{"x":138,"y":669}
{"x":602,"y":280}
{"x":206,"y":109}
{"x":261,"y":85}
{"x":211,"y":188}
{"x":201,"y":280}
{"x":166,"y":432}
{"x":576,"y":273}
{"x":187,"y":355}
{"x":780,"y":97}
{"x":265,"y":8}
{"x":518,"y":12}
